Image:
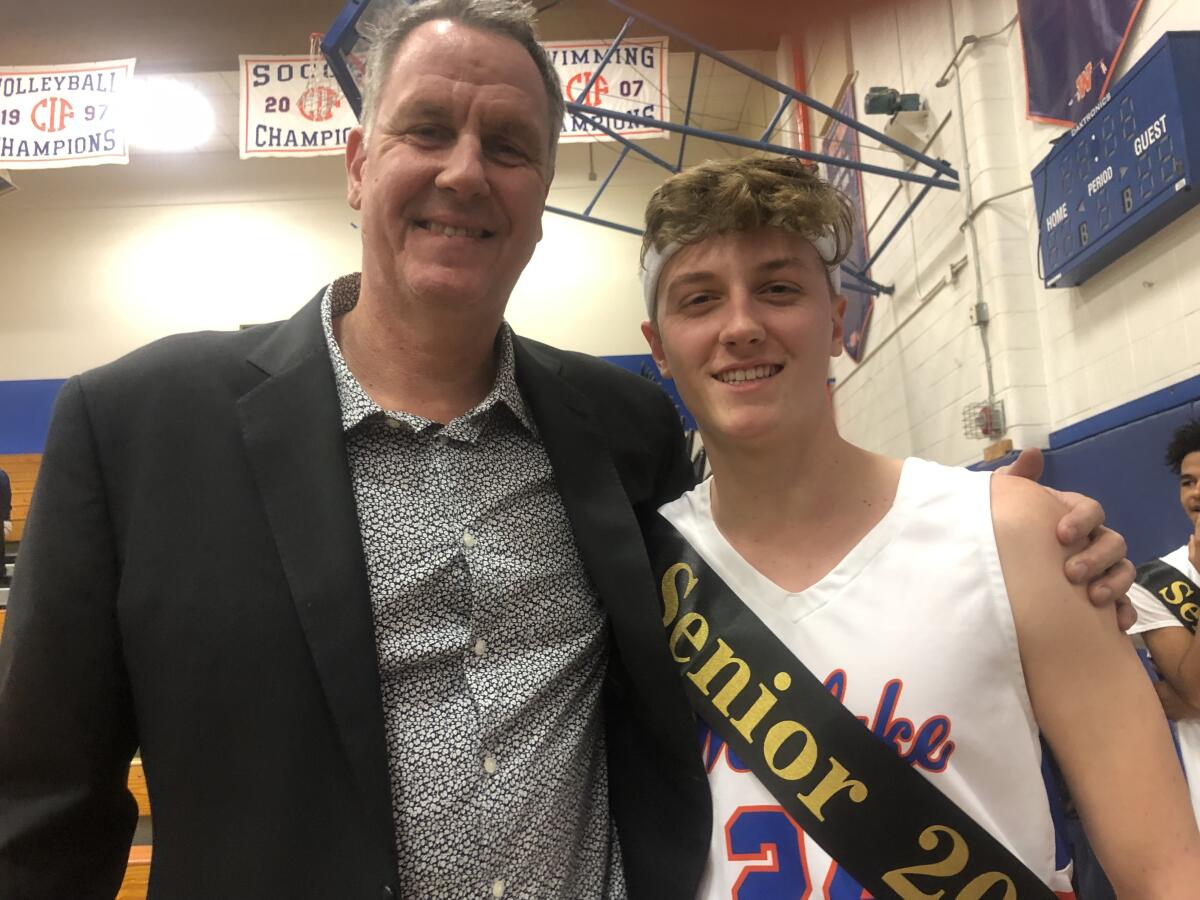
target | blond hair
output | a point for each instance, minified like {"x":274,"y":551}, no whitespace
{"x":734,"y":195}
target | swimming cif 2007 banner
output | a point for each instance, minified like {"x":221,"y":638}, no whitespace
{"x":1071,"y":49}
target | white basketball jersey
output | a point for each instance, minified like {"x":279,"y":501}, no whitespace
{"x":913,"y":631}
{"x":1153,"y":615}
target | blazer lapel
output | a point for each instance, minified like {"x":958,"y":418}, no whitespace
{"x":291,"y":425}
{"x":609,"y":540}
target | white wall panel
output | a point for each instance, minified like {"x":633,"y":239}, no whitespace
{"x":1058,"y":355}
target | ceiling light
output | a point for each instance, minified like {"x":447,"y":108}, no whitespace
{"x":167,"y":115}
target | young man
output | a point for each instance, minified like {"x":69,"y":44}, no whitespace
{"x":1167,"y":603}
{"x":427,"y":665}
{"x":916,"y":593}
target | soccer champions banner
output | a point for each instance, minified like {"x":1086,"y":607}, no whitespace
{"x":291,"y":106}
{"x":52,"y":117}
{"x":634,"y":81}
{"x":1071,"y":49}
{"x":840,"y":140}
{"x":288,"y":108}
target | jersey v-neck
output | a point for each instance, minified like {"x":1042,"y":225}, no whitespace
{"x":748,"y":582}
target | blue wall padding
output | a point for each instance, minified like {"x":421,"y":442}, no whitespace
{"x":25,"y":408}
{"x":1123,"y":468}
{"x":643,"y":364}
{"x":1115,"y":457}
{"x":1147,"y":405}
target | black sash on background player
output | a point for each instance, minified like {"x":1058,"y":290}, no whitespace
{"x":893,"y":831}
{"x":1176,"y":591}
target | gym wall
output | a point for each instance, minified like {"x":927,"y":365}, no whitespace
{"x":1058,"y":356}
{"x":106,"y":259}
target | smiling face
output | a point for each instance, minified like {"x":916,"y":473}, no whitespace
{"x":1189,"y":486}
{"x":746,"y":326}
{"x":453,"y":177}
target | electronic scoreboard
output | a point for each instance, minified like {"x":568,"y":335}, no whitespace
{"x":1127,"y":170}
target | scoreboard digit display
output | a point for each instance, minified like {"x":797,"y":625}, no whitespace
{"x":1127,"y":170}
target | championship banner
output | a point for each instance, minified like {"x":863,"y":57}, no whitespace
{"x":291,"y":106}
{"x":53,"y":117}
{"x":634,"y":81}
{"x":1071,"y":51}
{"x":841,"y":141}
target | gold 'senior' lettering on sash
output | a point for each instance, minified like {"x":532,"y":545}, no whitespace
{"x":692,"y":628}
{"x":1178,"y":593}
{"x":866,"y":806}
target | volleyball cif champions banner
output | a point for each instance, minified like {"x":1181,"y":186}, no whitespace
{"x":1071,"y":49}
{"x":52,"y":117}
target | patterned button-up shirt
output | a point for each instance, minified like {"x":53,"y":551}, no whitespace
{"x":491,"y":645}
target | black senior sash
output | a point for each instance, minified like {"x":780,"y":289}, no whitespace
{"x":1178,"y":593}
{"x":893,"y":831}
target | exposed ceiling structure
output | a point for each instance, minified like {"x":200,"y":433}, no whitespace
{"x":201,"y":40}
{"x":207,"y":35}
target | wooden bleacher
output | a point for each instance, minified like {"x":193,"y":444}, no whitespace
{"x":137,"y":872}
{"x":22,"y":469}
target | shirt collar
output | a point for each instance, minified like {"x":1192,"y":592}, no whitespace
{"x":356,"y":405}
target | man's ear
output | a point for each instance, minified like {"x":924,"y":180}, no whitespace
{"x":650,"y":333}
{"x":838,"y":314}
{"x":356,"y":157}
{"x":545,"y":197}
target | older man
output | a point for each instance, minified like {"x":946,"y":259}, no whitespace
{"x":6,"y":519}
{"x":430,"y":664}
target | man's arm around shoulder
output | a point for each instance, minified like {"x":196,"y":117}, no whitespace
{"x":66,"y":719}
{"x":1096,"y":707}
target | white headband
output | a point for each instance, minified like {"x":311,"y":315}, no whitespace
{"x":656,"y":261}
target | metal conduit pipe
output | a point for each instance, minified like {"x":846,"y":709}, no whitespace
{"x":981,"y":309}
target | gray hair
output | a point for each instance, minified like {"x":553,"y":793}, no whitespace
{"x":511,"y":18}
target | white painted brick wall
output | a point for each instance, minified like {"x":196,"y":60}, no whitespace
{"x":1058,"y":356}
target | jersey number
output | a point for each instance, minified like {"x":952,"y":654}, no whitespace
{"x":772,"y":846}
{"x":767,"y":835}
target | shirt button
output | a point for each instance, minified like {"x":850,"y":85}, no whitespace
{"x":392,"y":423}
{"x":489,"y":764}
{"x":498,"y":887}
{"x":480,"y":647}
{"x":468,"y":539}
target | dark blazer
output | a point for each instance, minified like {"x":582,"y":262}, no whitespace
{"x":5,"y":497}
{"x":192,"y":582}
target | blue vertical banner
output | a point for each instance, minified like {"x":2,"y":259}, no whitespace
{"x":1071,"y":50}
{"x":841,"y":141}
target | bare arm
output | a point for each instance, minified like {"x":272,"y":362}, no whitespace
{"x":1101,"y":562}
{"x":1096,"y":708}
{"x":1174,"y":649}
{"x":1176,"y":708}
{"x":1176,"y":653}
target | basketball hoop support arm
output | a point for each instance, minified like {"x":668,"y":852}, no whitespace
{"x":341,"y":36}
